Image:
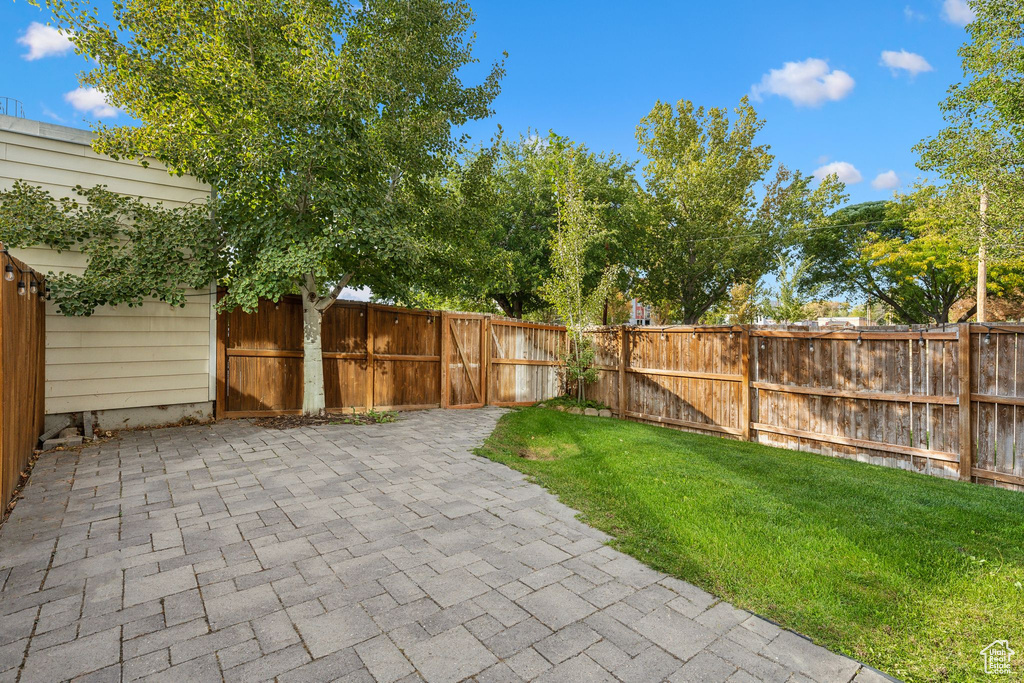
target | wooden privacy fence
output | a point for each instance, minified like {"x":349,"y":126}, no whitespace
{"x":375,"y":357}
{"x":947,"y":400}
{"x":22,"y":381}
{"x":883,"y":395}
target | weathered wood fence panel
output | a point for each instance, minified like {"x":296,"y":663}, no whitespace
{"x":262,"y":359}
{"x":22,"y":369}
{"x":375,"y":357}
{"x":997,"y":398}
{"x":405,"y":364}
{"x":524,"y":360}
{"x":607,"y":353}
{"x":885,"y":397}
{"x":685,"y":378}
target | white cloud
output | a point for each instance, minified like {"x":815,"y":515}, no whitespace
{"x":913,"y":15}
{"x":43,"y":41}
{"x":886,"y":181}
{"x":845,"y":170}
{"x":807,"y":84}
{"x":91,"y":101}
{"x":356,"y":294}
{"x":957,"y":12}
{"x":910,"y":62}
{"x":52,"y":114}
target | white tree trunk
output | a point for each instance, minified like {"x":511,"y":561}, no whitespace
{"x":313,"y":307}
{"x":982,"y":313}
{"x":313,"y":401}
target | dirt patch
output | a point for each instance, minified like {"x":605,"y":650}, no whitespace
{"x":294,"y":421}
{"x":538,"y":452}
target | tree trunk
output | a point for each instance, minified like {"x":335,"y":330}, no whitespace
{"x":968,"y":313}
{"x":313,"y":400}
{"x":504,"y":304}
{"x":313,"y":307}
{"x":982,"y":258}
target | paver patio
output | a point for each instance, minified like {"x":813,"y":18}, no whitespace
{"x":384,"y":552}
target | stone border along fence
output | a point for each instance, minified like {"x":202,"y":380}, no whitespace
{"x":945,"y":400}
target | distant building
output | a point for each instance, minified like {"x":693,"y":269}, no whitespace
{"x":843,"y":321}
{"x":639,"y":313}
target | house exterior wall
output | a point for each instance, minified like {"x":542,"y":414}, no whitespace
{"x":119,"y":358}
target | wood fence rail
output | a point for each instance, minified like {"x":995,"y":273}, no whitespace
{"x":22,"y":363}
{"x":883,"y":395}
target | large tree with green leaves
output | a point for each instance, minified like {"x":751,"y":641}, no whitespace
{"x":909,"y":253}
{"x":320,"y":125}
{"x":746,"y":304}
{"x":506,"y":200}
{"x":792,"y":293}
{"x":980,"y":152}
{"x":706,"y":230}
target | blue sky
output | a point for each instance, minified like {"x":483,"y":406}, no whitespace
{"x":853,"y":84}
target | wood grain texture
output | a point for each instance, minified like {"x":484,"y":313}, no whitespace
{"x":22,"y":377}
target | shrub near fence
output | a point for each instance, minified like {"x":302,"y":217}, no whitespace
{"x":22,"y":353}
{"x":890,"y":396}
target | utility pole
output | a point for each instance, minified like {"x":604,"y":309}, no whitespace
{"x":982,"y":256}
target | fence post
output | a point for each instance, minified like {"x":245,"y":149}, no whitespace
{"x":623,"y":356}
{"x":964,"y":400}
{"x":745,"y":383}
{"x":370,"y":322}
{"x":222,"y":362}
{"x":485,"y":358}
{"x":445,"y":334}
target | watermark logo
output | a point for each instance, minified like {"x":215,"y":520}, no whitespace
{"x":997,"y":657}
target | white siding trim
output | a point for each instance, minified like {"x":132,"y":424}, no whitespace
{"x":213,"y":341}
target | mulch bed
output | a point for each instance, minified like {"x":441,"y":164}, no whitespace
{"x":294,"y":421}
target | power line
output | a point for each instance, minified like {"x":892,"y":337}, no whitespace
{"x":811,"y":228}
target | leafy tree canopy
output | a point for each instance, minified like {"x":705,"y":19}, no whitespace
{"x":705,"y":229}
{"x":508,"y":207}
{"x":906,"y":253}
{"x":577,"y":303}
{"x":745,"y":304}
{"x":318,"y":123}
{"x":982,"y":144}
{"x":794,"y":292}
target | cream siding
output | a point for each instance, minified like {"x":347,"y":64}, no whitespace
{"x":119,"y":357}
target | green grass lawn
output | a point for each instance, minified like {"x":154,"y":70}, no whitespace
{"x":909,"y":573}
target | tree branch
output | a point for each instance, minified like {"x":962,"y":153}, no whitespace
{"x":326,"y":302}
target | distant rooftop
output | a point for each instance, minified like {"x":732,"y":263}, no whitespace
{"x":12,"y":107}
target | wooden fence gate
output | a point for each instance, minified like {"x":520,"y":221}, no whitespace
{"x":464,"y":358}
{"x":22,"y":368}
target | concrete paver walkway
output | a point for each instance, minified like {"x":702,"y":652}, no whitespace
{"x":384,"y":552}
